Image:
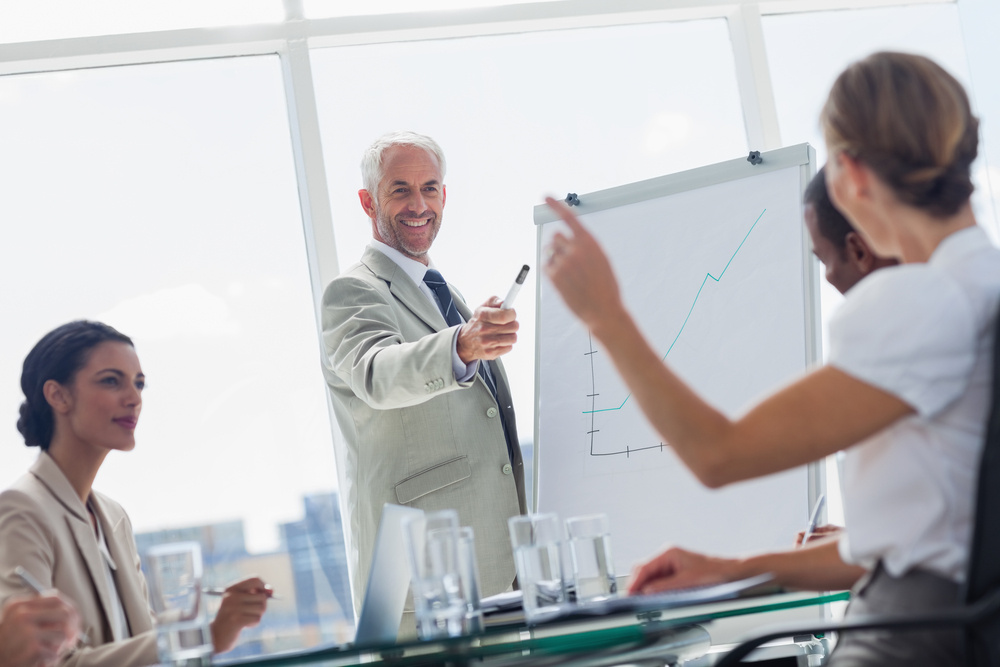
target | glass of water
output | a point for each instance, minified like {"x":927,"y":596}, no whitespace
{"x":438,"y":599}
{"x":183,"y":635}
{"x":469,"y":574}
{"x":537,"y":543}
{"x":590,"y":549}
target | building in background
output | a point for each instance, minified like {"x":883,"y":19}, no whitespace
{"x":308,"y":574}
{"x":318,"y":557}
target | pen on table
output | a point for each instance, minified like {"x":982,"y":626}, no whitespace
{"x":814,"y":518}
{"x":34,"y":585}
{"x":515,"y":288}
{"x":219,"y":592}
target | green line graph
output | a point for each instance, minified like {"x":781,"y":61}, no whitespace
{"x":694,"y":303}
{"x":592,"y":433}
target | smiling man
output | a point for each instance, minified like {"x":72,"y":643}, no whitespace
{"x":418,"y":390}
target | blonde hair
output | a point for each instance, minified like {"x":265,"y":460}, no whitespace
{"x":910,"y":121}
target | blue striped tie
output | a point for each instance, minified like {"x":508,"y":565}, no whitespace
{"x":435,"y":281}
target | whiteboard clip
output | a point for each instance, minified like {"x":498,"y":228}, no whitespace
{"x":572,"y":199}
{"x":754,"y":157}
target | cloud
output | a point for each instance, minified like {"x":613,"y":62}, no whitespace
{"x":175,"y":312}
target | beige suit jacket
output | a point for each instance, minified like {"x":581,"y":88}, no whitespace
{"x":44,"y":527}
{"x":412,"y":434}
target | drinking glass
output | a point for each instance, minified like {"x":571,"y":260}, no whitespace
{"x":590,"y":548}
{"x":183,"y":635}
{"x":469,"y":575}
{"x":537,"y":544}
{"x":438,"y":600}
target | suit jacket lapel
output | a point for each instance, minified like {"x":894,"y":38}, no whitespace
{"x":78,"y":520}
{"x":403,"y":288}
{"x":133,"y":601}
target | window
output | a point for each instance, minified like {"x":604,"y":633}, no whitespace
{"x":161,"y":199}
{"x":522,"y":116}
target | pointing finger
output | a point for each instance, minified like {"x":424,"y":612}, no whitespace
{"x":567,"y":216}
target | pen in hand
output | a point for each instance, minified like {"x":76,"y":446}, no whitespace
{"x":28,"y":580}
{"x":814,"y":518}
{"x":219,"y":592}
{"x":508,"y":302}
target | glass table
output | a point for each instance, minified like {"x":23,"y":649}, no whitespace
{"x":670,"y":635}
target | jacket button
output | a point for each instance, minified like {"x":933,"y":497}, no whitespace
{"x":507,"y":469}
{"x":491,"y":413}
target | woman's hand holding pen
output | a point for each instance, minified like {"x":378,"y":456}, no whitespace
{"x":243,"y":605}
{"x":36,"y":630}
{"x":581,"y":272}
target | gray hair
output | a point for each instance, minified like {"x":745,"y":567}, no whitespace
{"x":371,"y":160}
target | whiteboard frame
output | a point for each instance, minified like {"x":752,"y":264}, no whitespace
{"x":801,"y":155}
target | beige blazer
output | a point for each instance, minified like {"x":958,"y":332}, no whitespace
{"x":412,"y":434}
{"x":44,"y":527}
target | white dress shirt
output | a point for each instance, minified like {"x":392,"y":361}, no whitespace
{"x":116,"y":615}
{"x":924,"y":333}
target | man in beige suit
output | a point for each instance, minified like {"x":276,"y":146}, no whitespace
{"x":419,"y":393}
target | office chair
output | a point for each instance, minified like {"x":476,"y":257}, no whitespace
{"x":979,"y":614}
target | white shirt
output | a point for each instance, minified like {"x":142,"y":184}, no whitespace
{"x":116,"y":615}
{"x":924,"y":333}
{"x":415,"y":270}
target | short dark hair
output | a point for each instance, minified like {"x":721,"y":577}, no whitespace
{"x":832,"y":224}
{"x":58,"y":356}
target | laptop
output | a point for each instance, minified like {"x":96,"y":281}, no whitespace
{"x":388,"y":580}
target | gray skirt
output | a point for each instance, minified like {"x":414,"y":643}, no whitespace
{"x":916,"y":591}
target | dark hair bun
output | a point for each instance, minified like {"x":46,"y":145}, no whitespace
{"x":33,"y":427}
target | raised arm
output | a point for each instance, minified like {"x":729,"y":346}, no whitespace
{"x":367,"y":350}
{"x":824,"y":412}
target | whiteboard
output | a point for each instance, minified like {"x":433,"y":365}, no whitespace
{"x":715,"y":266}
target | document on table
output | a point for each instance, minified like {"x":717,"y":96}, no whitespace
{"x":505,"y":603}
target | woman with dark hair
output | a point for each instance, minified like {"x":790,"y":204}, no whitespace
{"x":905,"y":391}
{"x":83,"y":384}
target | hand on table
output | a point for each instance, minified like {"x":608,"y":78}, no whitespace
{"x":679,"y":568}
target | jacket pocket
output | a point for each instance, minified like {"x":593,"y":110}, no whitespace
{"x":432,"y":479}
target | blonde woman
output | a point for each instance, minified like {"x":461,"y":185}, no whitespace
{"x":906,"y":388}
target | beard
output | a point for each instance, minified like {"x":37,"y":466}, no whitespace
{"x":389,"y":230}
